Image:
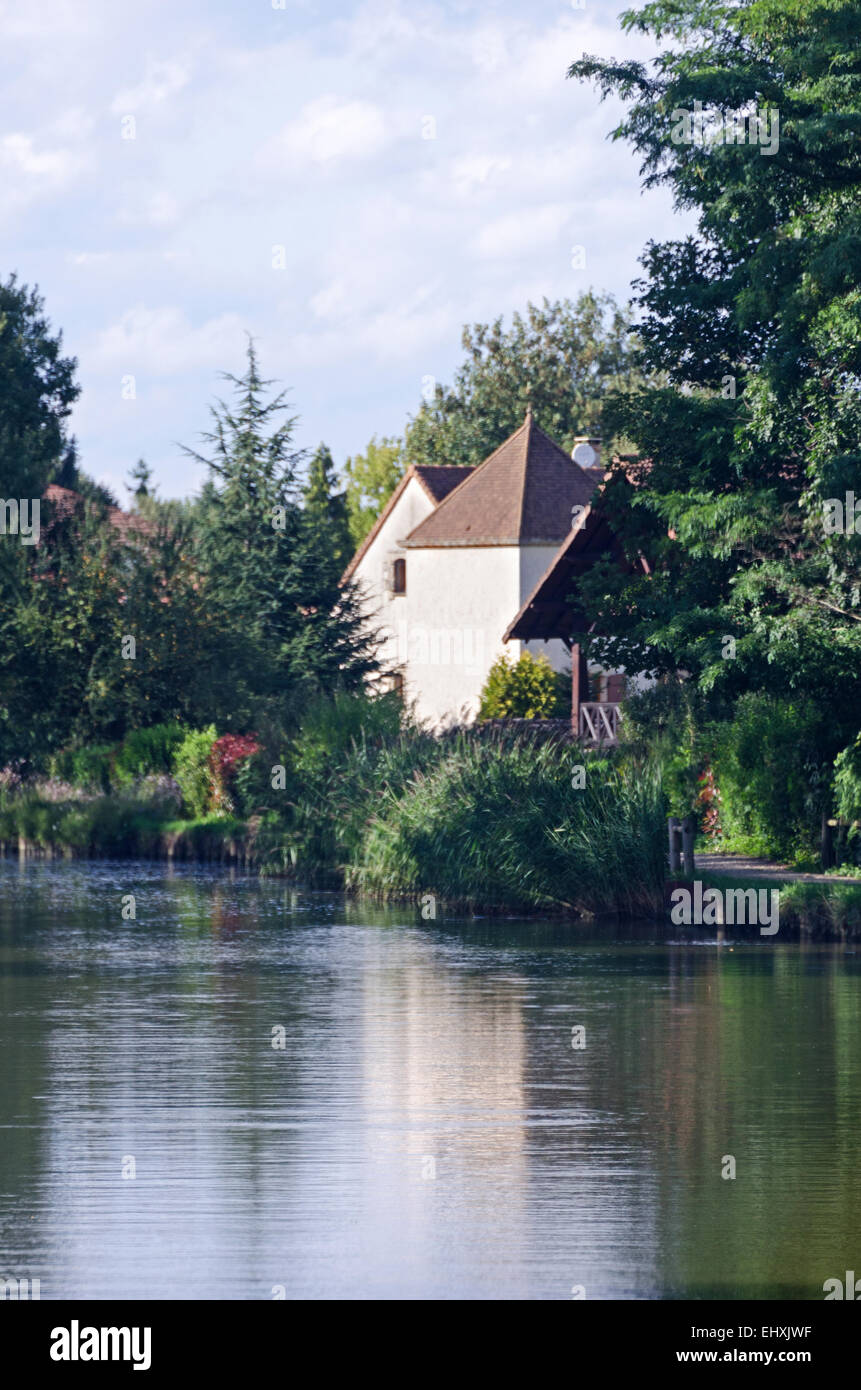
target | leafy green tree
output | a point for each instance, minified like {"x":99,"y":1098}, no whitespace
{"x":175,"y":674}
{"x":371,"y":479}
{"x":192,"y":768}
{"x":291,"y":629}
{"x":561,"y":358}
{"x":754,"y":323}
{"x":69,"y":673}
{"x":37,"y":392}
{"x":528,"y":688}
{"x":325,"y":510}
{"x":59,"y":615}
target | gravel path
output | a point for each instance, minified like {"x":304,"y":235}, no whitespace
{"x":741,"y":866}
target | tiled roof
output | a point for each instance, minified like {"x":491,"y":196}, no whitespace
{"x":438,"y":480}
{"x":65,"y":501}
{"x":521,"y":495}
{"x":441,"y":479}
{"x":552,"y":608}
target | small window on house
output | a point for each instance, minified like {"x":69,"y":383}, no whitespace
{"x":399,"y":577}
{"x":398,"y":684}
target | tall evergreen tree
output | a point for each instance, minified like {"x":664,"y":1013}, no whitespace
{"x":140,"y":480}
{"x":325,"y":510}
{"x":291,"y":629}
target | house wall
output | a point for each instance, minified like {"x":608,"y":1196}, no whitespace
{"x":534,"y":562}
{"x":449,"y":627}
{"x":445,"y":632}
{"x":383,"y":610}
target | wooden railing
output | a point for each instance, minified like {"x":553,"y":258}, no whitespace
{"x":599,"y":723}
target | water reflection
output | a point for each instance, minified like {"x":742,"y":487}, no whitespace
{"x":426,"y":1129}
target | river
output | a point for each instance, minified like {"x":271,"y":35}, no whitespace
{"x":247,"y":1091}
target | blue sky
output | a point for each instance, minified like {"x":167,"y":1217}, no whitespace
{"x":421,"y":165}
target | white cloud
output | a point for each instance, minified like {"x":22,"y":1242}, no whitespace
{"x":489,"y":49}
{"x":29,"y":170}
{"x":94,"y":258}
{"x":522,"y":233}
{"x":74,"y":124}
{"x":160,"y":81}
{"x":327,"y":131}
{"x":477,"y":171}
{"x":303,"y":128}
{"x":162,"y":341}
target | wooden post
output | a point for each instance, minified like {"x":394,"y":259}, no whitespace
{"x":673,"y":831}
{"x":827,"y":842}
{"x":579,"y":686}
{"x":689,"y":827}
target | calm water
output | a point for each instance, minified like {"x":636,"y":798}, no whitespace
{"x":427,"y":1129}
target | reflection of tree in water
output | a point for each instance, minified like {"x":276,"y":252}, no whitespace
{"x":24,"y":1078}
{"x":753,"y":1053}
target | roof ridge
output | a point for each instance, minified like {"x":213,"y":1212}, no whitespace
{"x":378,"y":524}
{"x":558,"y":447}
{"x":474,"y":470}
{"x":528,"y":424}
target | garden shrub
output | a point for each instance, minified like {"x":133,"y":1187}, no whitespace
{"x":90,"y":768}
{"x":773,"y":775}
{"x":192,"y":768}
{"x":525,"y":689}
{"x":668,"y":723}
{"x":226,"y":756}
{"x":147,"y":752}
{"x":331,"y":727}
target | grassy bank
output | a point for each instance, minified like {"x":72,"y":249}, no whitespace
{"x":483,"y":821}
{"x":825,"y":911}
{"x":499,"y":818}
{"x":114,"y":826}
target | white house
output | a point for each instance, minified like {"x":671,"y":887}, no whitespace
{"x":454,"y":556}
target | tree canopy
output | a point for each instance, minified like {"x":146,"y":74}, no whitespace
{"x":754,"y":323}
{"x":561,"y":358}
{"x":38,"y":392}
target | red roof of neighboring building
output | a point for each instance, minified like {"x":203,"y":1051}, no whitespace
{"x":65,"y":500}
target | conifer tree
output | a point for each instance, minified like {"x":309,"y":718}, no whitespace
{"x":325,"y":510}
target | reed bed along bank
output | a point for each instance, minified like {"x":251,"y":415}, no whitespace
{"x":541,"y":828}
{"x":497,"y":823}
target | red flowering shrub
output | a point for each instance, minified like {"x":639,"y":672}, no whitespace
{"x":227,"y":753}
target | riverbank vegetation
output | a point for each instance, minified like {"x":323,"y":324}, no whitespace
{"x":741,"y":489}
{"x":359,"y":797}
{"x":198,"y":664}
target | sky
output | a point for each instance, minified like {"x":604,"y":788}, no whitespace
{"x":349,"y":181}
